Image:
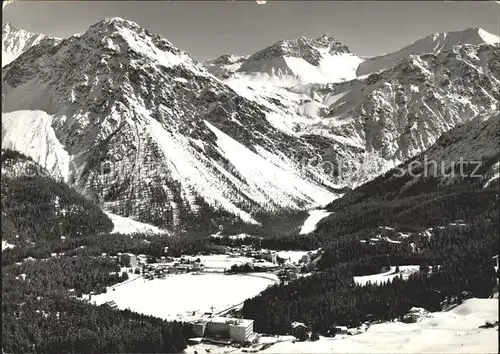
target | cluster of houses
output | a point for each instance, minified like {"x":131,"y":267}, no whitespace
{"x":161,"y":267}
{"x":263,"y":260}
{"x":164,"y":267}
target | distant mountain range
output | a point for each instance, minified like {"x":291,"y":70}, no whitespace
{"x":16,"y":41}
{"x":140,"y":127}
{"x":434,"y":43}
{"x":322,"y":59}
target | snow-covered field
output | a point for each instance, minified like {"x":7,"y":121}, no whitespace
{"x":454,"y":331}
{"x":177,"y":296}
{"x":404,"y":271}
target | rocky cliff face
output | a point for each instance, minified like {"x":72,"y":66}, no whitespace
{"x":150,"y":134}
{"x":139,"y":126}
{"x":372,"y":123}
{"x":403,"y":110}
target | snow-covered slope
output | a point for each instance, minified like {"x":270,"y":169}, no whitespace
{"x":152,"y":135}
{"x":128,"y":226}
{"x":454,"y":331}
{"x":370,"y":124}
{"x":401,"y":111}
{"x":16,"y":41}
{"x":476,"y":140}
{"x":224,"y":66}
{"x":434,"y":43}
{"x":312,"y":221}
{"x":31,"y":133}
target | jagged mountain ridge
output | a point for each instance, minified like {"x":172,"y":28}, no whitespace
{"x":468,"y":151}
{"x":287,"y":62}
{"x":388,"y":116}
{"x":345,"y":121}
{"x":16,"y":41}
{"x":401,"y":111}
{"x":434,"y":43}
{"x":175,"y":139}
{"x":224,"y":66}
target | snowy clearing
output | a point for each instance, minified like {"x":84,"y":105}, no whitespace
{"x":127,"y":226}
{"x":491,"y":180}
{"x":177,"y":296}
{"x":315,"y":216}
{"x":454,"y":331}
{"x":405,"y":272}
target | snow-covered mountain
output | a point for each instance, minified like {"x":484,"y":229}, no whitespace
{"x":16,"y":41}
{"x":373,"y":123}
{"x":401,"y":111}
{"x":434,"y":43}
{"x":136,"y":123}
{"x":468,"y":151}
{"x":287,"y":62}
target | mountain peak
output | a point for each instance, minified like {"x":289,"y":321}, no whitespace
{"x":7,"y":27}
{"x":115,"y":34}
{"x":116,"y":19}
{"x":112,"y":24}
{"x":433,"y":43}
{"x":119,"y":22}
{"x":16,"y":41}
{"x":309,"y":49}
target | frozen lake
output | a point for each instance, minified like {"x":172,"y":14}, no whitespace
{"x":178,"y":295}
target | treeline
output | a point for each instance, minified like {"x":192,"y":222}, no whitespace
{"x":82,"y":274}
{"x":467,"y":202}
{"x":276,"y":242}
{"x":41,"y":312}
{"x":392,"y":185}
{"x":66,"y":235}
{"x":75,"y":327}
{"x":281,"y":221}
{"x":432,"y":248}
{"x":112,"y":244}
{"x":412,"y":213}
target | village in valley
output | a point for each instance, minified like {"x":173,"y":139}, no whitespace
{"x":215,"y":327}
{"x":210,"y":290}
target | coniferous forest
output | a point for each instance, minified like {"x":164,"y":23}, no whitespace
{"x":59,"y":242}
{"x":453,"y":232}
{"x":453,"y":227}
